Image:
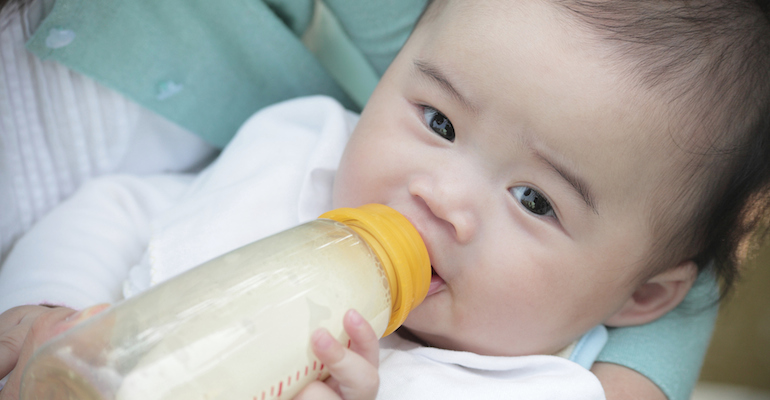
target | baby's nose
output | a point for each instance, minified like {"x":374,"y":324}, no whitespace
{"x":450,"y":202}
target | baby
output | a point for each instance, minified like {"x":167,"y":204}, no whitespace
{"x":570,"y":170}
{"x":568,"y":164}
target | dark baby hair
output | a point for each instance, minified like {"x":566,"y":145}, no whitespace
{"x":712,"y":61}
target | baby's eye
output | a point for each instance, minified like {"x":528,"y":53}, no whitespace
{"x":532,"y":200}
{"x":439,"y":123}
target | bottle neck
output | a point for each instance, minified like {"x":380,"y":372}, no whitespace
{"x":400,"y":250}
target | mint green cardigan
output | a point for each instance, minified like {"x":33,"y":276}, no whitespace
{"x":208,"y":65}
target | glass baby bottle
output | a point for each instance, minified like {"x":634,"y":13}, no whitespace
{"x":239,"y":326}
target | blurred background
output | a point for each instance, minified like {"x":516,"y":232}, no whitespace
{"x":737,"y":365}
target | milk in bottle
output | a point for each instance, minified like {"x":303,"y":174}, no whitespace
{"x":239,"y":326}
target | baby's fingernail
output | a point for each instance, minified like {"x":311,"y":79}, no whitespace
{"x":322,"y":339}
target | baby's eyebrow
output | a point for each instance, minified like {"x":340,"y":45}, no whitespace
{"x":431,"y":71}
{"x":577,"y":183}
{"x":434,"y":73}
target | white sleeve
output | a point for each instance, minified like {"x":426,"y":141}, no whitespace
{"x":79,"y":254}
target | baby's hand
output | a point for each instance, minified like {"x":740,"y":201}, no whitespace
{"x":353,"y":371}
{"x":23,"y":329}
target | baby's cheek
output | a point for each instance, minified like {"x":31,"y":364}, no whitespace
{"x":345,"y":191}
{"x":344,"y":183}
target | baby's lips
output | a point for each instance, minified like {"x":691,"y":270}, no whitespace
{"x":436,"y":284}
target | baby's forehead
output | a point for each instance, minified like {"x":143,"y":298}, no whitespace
{"x":521,"y":60}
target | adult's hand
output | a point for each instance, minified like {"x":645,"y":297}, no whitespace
{"x":23,"y":329}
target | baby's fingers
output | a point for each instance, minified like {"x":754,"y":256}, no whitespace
{"x":317,"y":390}
{"x":363,"y":340}
{"x":352,"y":376}
{"x":353,"y":371}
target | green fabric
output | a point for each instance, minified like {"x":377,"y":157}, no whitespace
{"x":327,"y":40}
{"x":670,"y":351}
{"x":208,"y":65}
{"x":379,"y":28}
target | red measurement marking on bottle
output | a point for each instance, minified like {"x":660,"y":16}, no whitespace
{"x":273,"y":393}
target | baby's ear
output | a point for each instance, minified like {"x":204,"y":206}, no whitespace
{"x":657,"y":296}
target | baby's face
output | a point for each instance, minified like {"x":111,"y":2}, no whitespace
{"x":526,"y":165}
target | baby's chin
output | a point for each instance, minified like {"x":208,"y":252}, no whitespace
{"x":432,"y":340}
{"x":407,"y":334}
{"x":515,"y":348}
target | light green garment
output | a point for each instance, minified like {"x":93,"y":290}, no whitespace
{"x":209,"y":65}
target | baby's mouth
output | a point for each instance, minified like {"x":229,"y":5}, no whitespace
{"x":436,"y":282}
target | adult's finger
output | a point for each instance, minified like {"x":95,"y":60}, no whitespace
{"x":13,"y":317}
{"x":14,"y":326}
{"x":45,"y":326}
{"x":80,"y":316}
{"x":11,"y":342}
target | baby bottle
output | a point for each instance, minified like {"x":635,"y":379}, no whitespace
{"x":239,"y":326}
